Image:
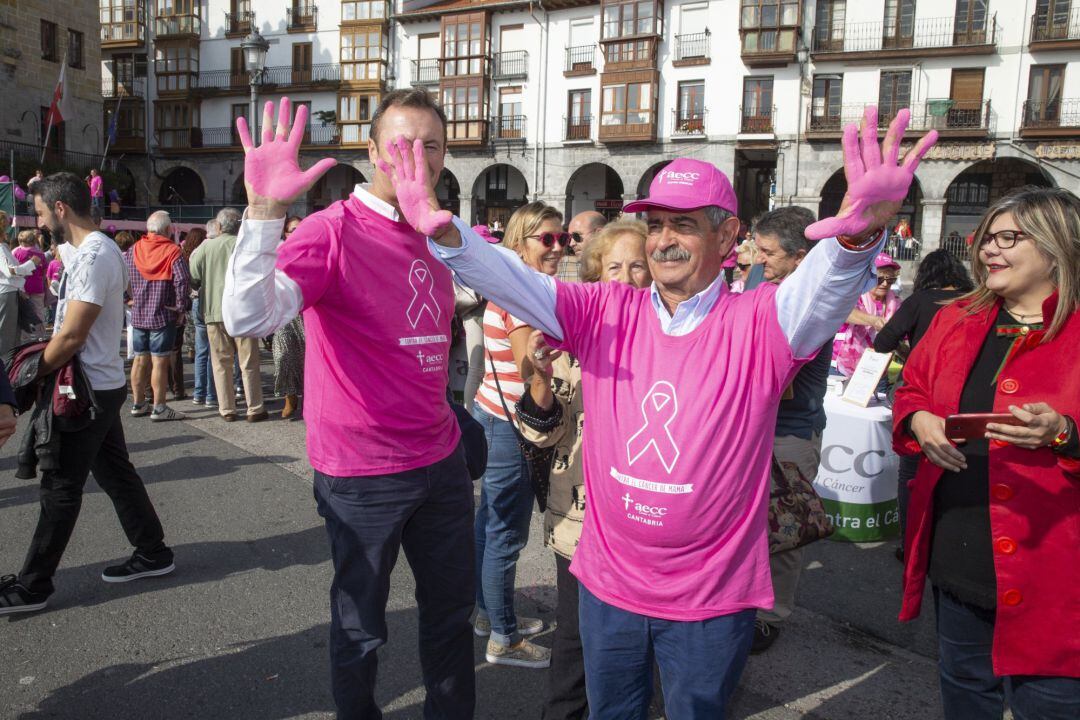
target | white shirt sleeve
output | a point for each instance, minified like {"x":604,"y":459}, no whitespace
{"x":259,"y":299}
{"x":815,"y":300}
{"x":26,"y":269}
{"x":500,"y":275}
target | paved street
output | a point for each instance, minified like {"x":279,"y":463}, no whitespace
{"x":240,"y":630}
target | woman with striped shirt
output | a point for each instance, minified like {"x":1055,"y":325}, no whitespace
{"x":502,"y":519}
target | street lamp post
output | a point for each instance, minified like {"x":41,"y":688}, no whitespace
{"x":254,"y":47}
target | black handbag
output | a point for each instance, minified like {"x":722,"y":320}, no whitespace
{"x":538,"y":460}
{"x":28,"y":317}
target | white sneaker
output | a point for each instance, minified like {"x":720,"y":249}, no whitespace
{"x":167,"y":413}
{"x":526,"y":626}
{"x":525,"y":654}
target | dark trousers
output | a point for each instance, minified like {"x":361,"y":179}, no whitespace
{"x":969,"y":688}
{"x":428,"y":513}
{"x":700,"y":662}
{"x":100,"y":448}
{"x":909,"y":465}
{"x":566,"y":677}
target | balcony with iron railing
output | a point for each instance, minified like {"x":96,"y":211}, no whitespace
{"x":632,"y":126}
{"x":510,"y":65}
{"x":425,"y":72}
{"x":1051,"y":118}
{"x":579,"y":129}
{"x":924,"y":37}
{"x":580,"y":60}
{"x":239,"y":23}
{"x":688,"y":123}
{"x":166,"y":26}
{"x":227,"y":138}
{"x":302,"y":18}
{"x":507,"y":129}
{"x":113,"y":89}
{"x":122,"y":34}
{"x":951,"y":118}
{"x":757,"y":120}
{"x":770,"y":46}
{"x":956,"y":244}
{"x":128,"y":139}
{"x":692,"y":49}
{"x":232,"y":81}
{"x":1056,"y":31}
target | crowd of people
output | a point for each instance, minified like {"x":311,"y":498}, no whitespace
{"x":701,"y":363}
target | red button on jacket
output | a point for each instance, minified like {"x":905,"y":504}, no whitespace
{"x":1005,"y":546}
{"x":1001,"y":491}
{"x":1012,"y":597}
{"x":1009,"y":386}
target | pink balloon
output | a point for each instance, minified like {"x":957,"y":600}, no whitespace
{"x":20,"y":194}
{"x":4,"y":179}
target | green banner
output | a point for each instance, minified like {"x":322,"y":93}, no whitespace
{"x":857,"y":522}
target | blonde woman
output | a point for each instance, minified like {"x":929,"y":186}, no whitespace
{"x":994,"y":515}
{"x":535,"y":233}
{"x":551,"y":415}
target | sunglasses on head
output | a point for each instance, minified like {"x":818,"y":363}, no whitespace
{"x":549,"y":239}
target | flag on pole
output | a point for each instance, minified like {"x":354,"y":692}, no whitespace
{"x":112,"y":124}
{"x":61,"y":108}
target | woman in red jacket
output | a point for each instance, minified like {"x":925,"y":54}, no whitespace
{"x":995,"y":521}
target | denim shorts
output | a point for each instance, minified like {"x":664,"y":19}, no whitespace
{"x":154,"y":342}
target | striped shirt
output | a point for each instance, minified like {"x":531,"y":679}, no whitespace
{"x":498,"y":324}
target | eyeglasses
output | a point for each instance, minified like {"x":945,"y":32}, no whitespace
{"x":1004,"y":239}
{"x":576,"y":237}
{"x":549,"y":239}
{"x":887,"y":279}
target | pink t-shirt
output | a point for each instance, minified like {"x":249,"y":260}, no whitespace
{"x":377,"y":310}
{"x":97,"y":188}
{"x":35,"y":281}
{"x":676,"y":445}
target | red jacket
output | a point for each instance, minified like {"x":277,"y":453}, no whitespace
{"x":1034,"y":494}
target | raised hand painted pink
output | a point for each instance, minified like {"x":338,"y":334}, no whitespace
{"x":873,"y":176}
{"x":271,"y":170}
{"x":415,"y":196}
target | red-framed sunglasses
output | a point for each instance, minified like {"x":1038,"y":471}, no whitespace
{"x":549,"y":239}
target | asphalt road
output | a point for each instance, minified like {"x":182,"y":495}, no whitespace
{"x":240,"y":629}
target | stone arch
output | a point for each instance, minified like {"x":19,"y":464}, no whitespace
{"x":648,"y":176}
{"x":497,"y":192}
{"x":335,"y":185}
{"x":448,"y":190}
{"x":182,"y":186}
{"x":594,"y":186}
{"x":978,"y":186}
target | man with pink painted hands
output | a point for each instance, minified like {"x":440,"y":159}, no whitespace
{"x":390,"y":472}
{"x":681,"y":383}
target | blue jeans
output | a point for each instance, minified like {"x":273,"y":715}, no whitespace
{"x":158,"y":343}
{"x":204,"y":374}
{"x":700,"y":662}
{"x":969,"y":688}
{"x":427,"y":512}
{"x":502,"y":526}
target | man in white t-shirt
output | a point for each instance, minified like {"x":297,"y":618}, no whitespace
{"x":89,"y":321}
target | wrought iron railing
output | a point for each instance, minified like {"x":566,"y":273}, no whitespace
{"x":1047,"y":26}
{"x":581,"y":58}
{"x":240,"y":23}
{"x":692,"y":46}
{"x":579,"y":128}
{"x":112,"y":89}
{"x":227,"y":137}
{"x":756,"y":119}
{"x":123,"y":32}
{"x":425,"y":71}
{"x":939,"y":32}
{"x":957,"y":245}
{"x":170,"y":25}
{"x":279,"y":75}
{"x":688,"y":123}
{"x":1050,"y":114}
{"x":505,"y":128}
{"x":943,"y":114}
{"x":511,"y":64}
{"x":303,"y":16}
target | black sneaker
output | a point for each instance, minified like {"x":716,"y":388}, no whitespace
{"x":138,"y":566}
{"x":15,"y":598}
{"x":764,"y":636}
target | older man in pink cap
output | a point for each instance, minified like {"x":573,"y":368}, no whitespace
{"x":682,"y":385}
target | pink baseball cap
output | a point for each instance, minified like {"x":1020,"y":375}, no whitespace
{"x":884,"y":260}
{"x":485,"y":232}
{"x":686,"y":184}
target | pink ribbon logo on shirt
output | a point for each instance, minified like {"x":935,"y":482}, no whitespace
{"x":659,"y":408}
{"x":422,"y":283}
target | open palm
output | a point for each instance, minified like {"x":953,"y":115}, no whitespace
{"x":272,"y":174}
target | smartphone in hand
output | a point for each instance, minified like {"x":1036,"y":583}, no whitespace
{"x":972,"y":426}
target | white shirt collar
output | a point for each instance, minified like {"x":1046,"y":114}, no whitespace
{"x":377,"y":204}
{"x":703,"y":300}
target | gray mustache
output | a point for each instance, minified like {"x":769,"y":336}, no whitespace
{"x":673,"y":253}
